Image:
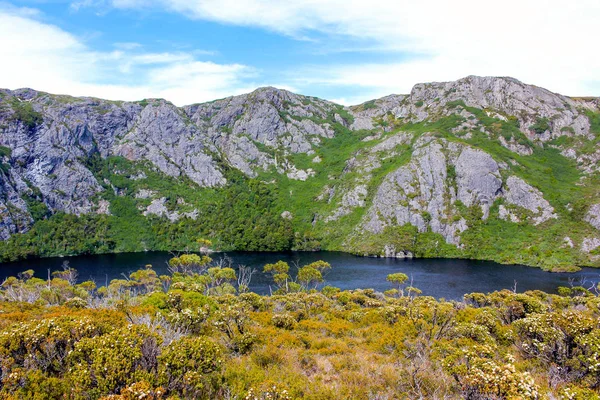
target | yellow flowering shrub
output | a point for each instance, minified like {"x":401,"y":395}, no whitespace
{"x":189,"y":336}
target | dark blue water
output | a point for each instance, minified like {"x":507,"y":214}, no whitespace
{"x":441,"y":278}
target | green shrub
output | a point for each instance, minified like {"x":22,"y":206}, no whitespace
{"x":284,"y":321}
{"x":191,"y":366}
{"x":5,"y":151}
{"x":108,"y":363}
{"x":541,"y":125}
{"x":24,"y":112}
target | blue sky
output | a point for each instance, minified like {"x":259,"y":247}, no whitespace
{"x":346,"y":51}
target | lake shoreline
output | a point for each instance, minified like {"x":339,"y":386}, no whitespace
{"x":557,"y":270}
{"x":438,"y":277}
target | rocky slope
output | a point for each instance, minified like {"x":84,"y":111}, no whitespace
{"x":452,"y":162}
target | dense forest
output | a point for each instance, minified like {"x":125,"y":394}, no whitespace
{"x":197,"y":333}
{"x":242,"y":216}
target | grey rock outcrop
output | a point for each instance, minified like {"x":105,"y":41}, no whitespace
{"x":362,"y":164}
{"x":351,"y":199}
{"x":51,"y":153}
{"x":425,"y":192}
{"x":300,"y":174}
{"x":365,"y":114}
{"x":158,"y":207}
{"x":593,"y":216}
{"x":145,"y":194}
{"x":590,"y":244}
{"x":478,"y":178}
{"x":421,"y":194}
{"x":513,"y":146}
{"x":272,"y":118}
{"x":504,"y":95}
{"x":14,"y":217}
{"x":168,"y":140}
{"x":521,"y":194}
{"x":389,"y":251}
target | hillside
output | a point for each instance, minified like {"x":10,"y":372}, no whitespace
{"x":483,"y":167}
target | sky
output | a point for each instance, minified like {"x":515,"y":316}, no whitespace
{"x":347,"y":51}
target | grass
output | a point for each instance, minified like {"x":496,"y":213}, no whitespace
{"x":26,"y":114}
{"x":5,"y":151}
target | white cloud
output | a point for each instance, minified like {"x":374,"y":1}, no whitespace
{"x":547,"y":42}
{"x":550,"y":43}
{"x":22,"y":11}
{"x":44,"y":57}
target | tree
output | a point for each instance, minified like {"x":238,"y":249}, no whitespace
{"x":309,"y":276}
{"x":312,"y":274}
{"x":279,"y":273}
{"x":189,"y":264}
{"x":399,"y":281}
{"x":220,"y":279}
{"x":244,"y":277}
{"x":145,"y":280}
{"x":69,"y":274}
{"x":204,"y":245}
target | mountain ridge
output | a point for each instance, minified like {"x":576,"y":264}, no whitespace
{"x":331,"y":166}
{"x":275,"y":88}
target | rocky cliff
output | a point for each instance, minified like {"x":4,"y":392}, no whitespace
{"x":446,"y":166}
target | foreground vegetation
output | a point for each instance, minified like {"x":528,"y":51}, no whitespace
{"x":199,"y":334}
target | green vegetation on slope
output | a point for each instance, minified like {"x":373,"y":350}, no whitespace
{"x":242,"y":215}
{"x":24,"y":112}
{"x":495,"y":239}
{"x":246,"y":214}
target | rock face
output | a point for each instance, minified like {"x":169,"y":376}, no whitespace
{"x":520,"y":194}
{"x":163,"y":136}
{"x":590,"y":244}
{"x":593,"y":216}
{"x":362,"y":165}
{"x":424,"y":192}
{"x":351,"y":199}
{"x":365,"y":114}
{"x":433,"y":159}
{"x":507,"y":96}
{"x":245,"y":127}
{"x":389,"y":251}
{"x":14,"y":217}
{"x":50,"y":153}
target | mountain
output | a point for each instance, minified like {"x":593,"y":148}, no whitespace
{"x":483,"y":167}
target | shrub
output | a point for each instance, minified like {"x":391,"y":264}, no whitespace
{"x":268,"y":391}
{"x":24,"y":112}
{"x":540,"y":126}
{"x":191,"y":366}
{"x":76,"y":303}
{"x":284,"y":321}
{"x":44,"y":345}
{"x":108,"y":363}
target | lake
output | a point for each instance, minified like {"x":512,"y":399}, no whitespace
{"x":441,"y":278}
